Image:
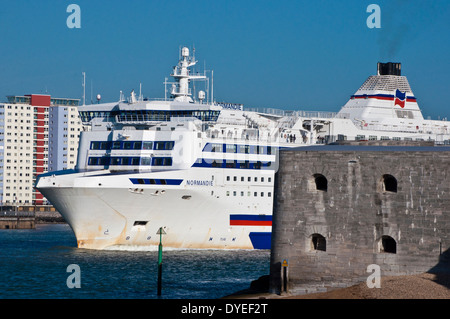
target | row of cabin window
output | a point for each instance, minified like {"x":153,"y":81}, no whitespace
{"x":389,"y":183}
{"x":255,"y":194}
{"x":387,"y":138}
{"x":160,"y":115}
{"x":132,"y":145}
{"x":148,"y":115}
{"x":234,"y":148}
{"x":152,"y":181}
{"x":219,"y":163}
{"x":249,"y":179}
{"x":239,"y":164}
{"x":154,"y":161}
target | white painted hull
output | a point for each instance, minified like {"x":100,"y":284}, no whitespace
{"x":112,"y":214}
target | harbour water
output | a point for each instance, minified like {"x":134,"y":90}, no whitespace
{"x":34,"y":265}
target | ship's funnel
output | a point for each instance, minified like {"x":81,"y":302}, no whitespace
{"x":389,"y":68}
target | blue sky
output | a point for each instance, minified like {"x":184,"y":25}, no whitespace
{"x":300,"y":55}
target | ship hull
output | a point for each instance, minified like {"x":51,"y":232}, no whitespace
{"x":110,"y":211}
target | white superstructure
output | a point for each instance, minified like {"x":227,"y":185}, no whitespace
{"x":383,"y":108}
{"x":203,"y":171}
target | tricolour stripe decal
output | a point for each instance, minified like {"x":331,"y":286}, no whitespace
{"x":250,"y":220}
{"x":387,"y":97}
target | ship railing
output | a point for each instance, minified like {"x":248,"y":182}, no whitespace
{"x":270,"y":111}
{"x":438,"y":139}
{"x":299,"y":113}
{"x":406,"y":128}
{"x":320,"y":114}
{"x":241,"y":137}
{"x":277,"y":138}
{"x":229,"y":121}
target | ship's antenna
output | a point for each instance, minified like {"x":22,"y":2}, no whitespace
{"x":193,"y":72}
{"x":84,"y":88}
{"x":212,"y":86}
{"x":140,"y":91}
{"x":207,"y":81}
{"x":165,"y":89}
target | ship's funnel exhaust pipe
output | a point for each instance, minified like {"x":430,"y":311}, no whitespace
{"x":389,"y":68}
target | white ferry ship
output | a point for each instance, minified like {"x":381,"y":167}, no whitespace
{"x":204,"y":171}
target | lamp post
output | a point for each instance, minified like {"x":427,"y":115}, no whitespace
{"x":160,"y":232}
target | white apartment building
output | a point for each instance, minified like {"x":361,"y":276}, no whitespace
{"x":37,"y":134}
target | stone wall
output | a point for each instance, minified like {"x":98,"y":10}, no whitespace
{"x":14,"y":222}
{"x":26,"y":217}
{"x":339,"y":209}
